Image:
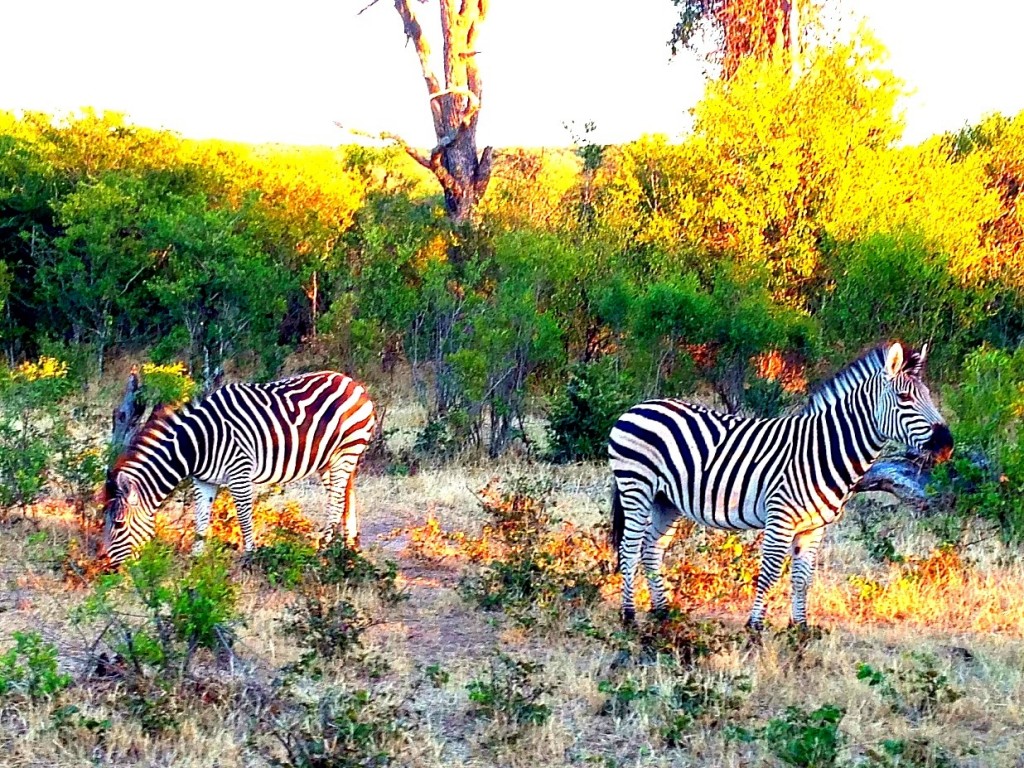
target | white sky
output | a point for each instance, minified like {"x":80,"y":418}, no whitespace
{"x":285,"y":72}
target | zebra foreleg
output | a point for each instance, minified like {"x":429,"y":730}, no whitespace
{"x":205,"y":493}
{"x":774,"y":548}
{"x":805,"y":556}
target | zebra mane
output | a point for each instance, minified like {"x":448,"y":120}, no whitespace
{"x":835,"y":388}
{"x":158,"y":419}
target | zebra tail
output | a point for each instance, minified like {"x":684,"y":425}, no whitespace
{"x":618,"y":518}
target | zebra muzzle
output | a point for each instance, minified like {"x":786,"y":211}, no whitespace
{"x":940,"y":444}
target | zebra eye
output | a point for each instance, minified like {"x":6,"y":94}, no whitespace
{"x":905,"y":397}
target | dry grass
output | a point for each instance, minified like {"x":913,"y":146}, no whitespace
{"x":967,"y":614}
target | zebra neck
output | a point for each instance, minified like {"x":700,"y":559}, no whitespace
{"x":852,"y":425}
{"x":162,"y":460}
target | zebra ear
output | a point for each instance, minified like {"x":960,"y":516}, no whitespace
{"x":923,"y":354}
{"x":894,"y":360}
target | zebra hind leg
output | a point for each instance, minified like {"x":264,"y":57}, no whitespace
{"x":242,"y":493}
{"x":338,"y":482}
{"x":635,"y":508}
{"x":777,"y":540}
{"x":657,"y":538}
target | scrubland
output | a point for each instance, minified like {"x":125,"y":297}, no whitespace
{"x":494,"y":640}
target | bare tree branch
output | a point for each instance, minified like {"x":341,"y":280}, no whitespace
{"x":414,"y":32}
{"x":410,"y":150}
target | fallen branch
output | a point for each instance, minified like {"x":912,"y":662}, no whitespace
{"x":905,"y":477}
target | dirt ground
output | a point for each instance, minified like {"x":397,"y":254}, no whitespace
{"x":945,"y":632}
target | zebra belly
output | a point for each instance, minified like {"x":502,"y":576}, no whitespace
{"x":733,"y":516}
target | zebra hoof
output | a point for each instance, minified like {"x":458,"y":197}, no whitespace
{"x":754,"y":627}
{"x":660,"y":614}
{"x":628,"y":617}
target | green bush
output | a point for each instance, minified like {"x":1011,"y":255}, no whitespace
{"x":800,"y":738}
{"x":985,"y":478}
{"x":327,"y":628}
{"x":285,"y":558}
{"x":916,"y":689}
{"x":510,"y":698}
{"x":29,"y":668}
{"x":158,"y":617}
{"x":340,"y":729}
{"x":897,"y":286}
{"x":583,"y":412}
{"x":543,"y":573}
{"x":33,"y":434}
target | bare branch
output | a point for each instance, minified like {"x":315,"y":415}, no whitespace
{"x":367,"y":7}
{"x":414,"y":32}
{"x":483,"y":171}
{"x":414,"y":153}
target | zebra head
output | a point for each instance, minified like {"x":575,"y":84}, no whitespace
{"x":127,"y":521}
{"x":905,"y":411}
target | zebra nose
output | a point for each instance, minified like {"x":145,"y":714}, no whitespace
{"x":940,"y":444}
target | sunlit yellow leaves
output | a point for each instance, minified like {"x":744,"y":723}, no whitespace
{"x":43,"y":368}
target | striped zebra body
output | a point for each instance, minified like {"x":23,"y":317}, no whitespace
{"x":790,"y":476}
{"x":238,"y":436}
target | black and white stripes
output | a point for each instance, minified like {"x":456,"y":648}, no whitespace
{"x":790,"y":476}
{"x":239,"y":435}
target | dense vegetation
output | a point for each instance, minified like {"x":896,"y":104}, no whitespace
{"x":788,"y":231}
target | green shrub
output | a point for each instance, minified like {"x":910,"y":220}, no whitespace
{"x":916,"y":690}
{"x":285,"y":558}
{"x":800,"y":738}
{"x":158,"y":617}
{"x":510,"y":698}
{"x":29,"y":668}
{"x":326,"y":628}
{"x":985,"y":477}
{"x":340,"y":564}
{"x":168,"y":384}
{"x":339,"y":729}
{"x":912,"y":753}
{"x":543,"y":572}
{"x":897,"y":286}
{"x":674,"y":707}
{"x":583,"y":412}
{"x":33,"y":435}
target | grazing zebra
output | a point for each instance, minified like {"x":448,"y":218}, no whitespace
{"x":790,"y":475}
{"x":239,"y":435}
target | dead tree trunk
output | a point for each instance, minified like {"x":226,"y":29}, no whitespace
{"x":454,"y":106}
{"x":128,"y":414}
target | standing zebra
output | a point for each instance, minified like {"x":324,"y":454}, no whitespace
{"x":790,"y":476}
{"x":239,"y":435}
